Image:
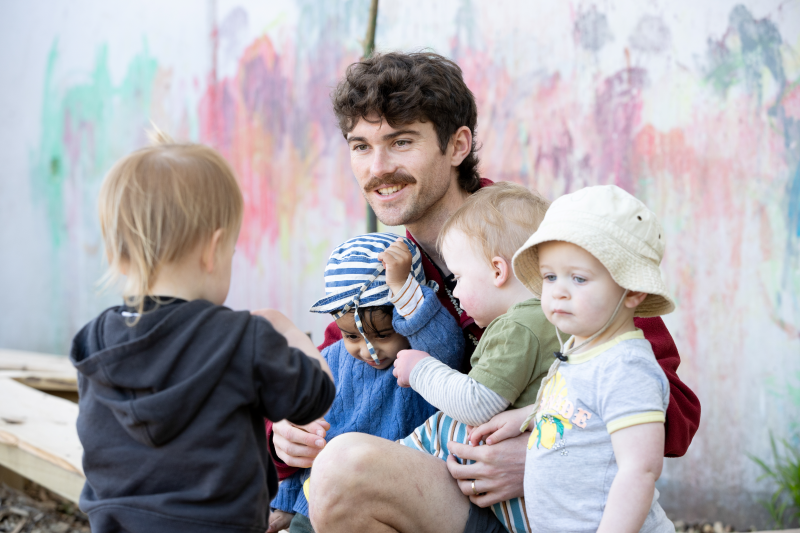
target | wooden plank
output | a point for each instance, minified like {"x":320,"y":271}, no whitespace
{"x":38,"y":438}
{"x":40,"y":423}
{"x":33,"y":361}
{"x":40,"y":371}
{"x":42,"y":382}
{"x":66,"y":484}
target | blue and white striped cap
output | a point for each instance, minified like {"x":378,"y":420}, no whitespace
{"x":354,"y":277}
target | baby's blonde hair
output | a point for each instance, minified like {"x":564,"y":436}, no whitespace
{"x":498,"y":219}
{"x":158,"y":203}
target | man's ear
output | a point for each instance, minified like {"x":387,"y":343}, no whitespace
{"x":633,"y":299}
{"x":461,"y":142}
{"x":502,"y":271}
{"x":208,"y":259}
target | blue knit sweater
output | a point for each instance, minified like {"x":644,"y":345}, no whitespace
{"x":369,"y":401}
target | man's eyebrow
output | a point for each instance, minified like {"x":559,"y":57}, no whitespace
{"x":387,"y":137}
{"x":398,"y":133}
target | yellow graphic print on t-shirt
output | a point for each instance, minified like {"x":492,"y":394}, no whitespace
{"x":552,"y":418}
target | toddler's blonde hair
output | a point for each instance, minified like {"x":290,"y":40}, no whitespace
{"x":498,"y":219}
{"x":158,"y":203}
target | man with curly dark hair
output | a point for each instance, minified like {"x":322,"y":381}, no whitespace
{"x":409,"y":121}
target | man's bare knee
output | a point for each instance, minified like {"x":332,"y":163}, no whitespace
{"x":340,"y":476}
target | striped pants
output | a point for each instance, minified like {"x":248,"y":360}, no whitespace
{"x":432,"y":437}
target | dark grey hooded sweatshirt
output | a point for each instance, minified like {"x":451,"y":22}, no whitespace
{"x":172,"y":416}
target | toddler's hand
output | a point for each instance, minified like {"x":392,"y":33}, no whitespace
{"x":397,"y":260}
{"x":279,"y":520}
{"x":405,"y":363}
{"x":503,"y":426}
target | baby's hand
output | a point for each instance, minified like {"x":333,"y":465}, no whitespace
{"x":503,"y":426}
{"x":397,"y":260}
{"x":405,"y":363}
{"x":279,"y":520}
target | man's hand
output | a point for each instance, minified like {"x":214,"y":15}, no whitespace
{"x":404,"y":365}
{"x":503,"y":426}
{"x":498,"y":472}
{"x":397,"y":260}
{"x":298,"y":446}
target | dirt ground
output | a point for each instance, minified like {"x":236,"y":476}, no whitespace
{"x":37,"y":510}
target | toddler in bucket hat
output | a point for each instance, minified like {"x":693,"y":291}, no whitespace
{"x":597,"y":425}
{"x":375,"y":289}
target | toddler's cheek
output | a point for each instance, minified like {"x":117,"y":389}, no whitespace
{"x":548,"y":312}
{"x":467,"y":304}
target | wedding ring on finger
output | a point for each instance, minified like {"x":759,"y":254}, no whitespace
{"x":475,"y":492}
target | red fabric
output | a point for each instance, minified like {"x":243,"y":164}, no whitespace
{"x":683,"y":413}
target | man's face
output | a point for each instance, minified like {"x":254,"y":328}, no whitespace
{"x":401,"y":171}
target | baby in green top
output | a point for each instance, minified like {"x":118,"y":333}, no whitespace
{"x":517,"y":347}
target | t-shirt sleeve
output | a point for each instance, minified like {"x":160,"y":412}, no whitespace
{"x":507,"y":359}
{"x":632,"y":390}
{"x":288,"y":384}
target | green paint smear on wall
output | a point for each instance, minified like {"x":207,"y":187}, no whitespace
{"x":85,"y":128}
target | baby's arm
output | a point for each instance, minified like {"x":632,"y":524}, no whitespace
{"x":406,"y":292}
{"x":501,"y":427}
{"x":640,"y":455}
{"x":456,"y":394}
{"x":418,"y":314}
{"x":294,"y":337}
{"x":503,"y":368}
{"x":632,"y":396}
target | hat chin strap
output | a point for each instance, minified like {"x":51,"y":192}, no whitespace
{"x":354,"y":305}
{"x":563,"y":355}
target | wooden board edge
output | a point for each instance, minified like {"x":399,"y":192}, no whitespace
{"x":65,"y":483}
{"x":48,"y":383}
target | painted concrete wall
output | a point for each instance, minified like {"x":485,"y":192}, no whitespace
{"x":692,"y":106}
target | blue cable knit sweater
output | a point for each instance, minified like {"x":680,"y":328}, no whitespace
{"x":369,"y":401}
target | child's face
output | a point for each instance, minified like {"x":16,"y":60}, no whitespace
{"x":578,"y":293}
{"x":476,"y":291}
{"x":386,"y":341}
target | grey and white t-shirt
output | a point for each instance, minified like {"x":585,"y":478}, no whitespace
{"x":570,"y":463}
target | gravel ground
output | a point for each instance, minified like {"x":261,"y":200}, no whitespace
{"x":706,"y":527}
{"x":38,"y":510}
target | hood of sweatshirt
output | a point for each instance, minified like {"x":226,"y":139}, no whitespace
{"x":153,"y":375}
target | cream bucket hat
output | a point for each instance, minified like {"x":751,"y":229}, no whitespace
{"x":617,"y":229}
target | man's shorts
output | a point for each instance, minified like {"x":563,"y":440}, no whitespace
{"x":482,"y":520}
{"x":432,"y":437}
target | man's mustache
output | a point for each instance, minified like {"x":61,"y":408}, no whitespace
{"x":398,"y":178}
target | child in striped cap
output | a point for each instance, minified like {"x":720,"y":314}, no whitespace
{"x":376,"y":291}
